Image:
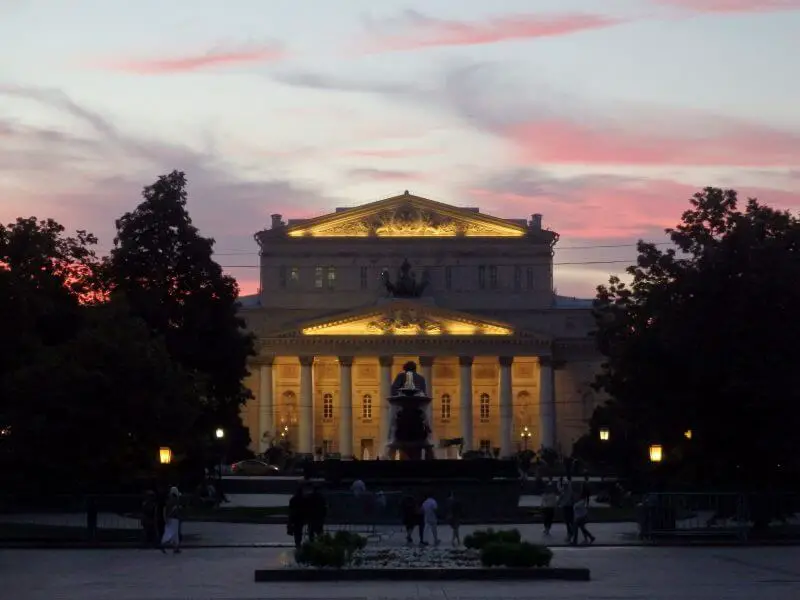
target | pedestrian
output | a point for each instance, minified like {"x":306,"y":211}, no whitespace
{"x":298,"y":509}
{"x":566,"y":501}
{"x":150,"y":519}
{"x":172,"y":522}
{"x":454,"y":516}
{"x":581,"y":510}
{"x":430,"y":520}
{"x":549,"y":501}
{"x":410,"y":516}
{"x":317,"y":510}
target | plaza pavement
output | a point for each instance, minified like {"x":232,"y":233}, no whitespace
{"x":622,"y":573}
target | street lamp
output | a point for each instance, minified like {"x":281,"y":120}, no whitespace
{"x":687,"y":434}
{"x":165,"y":455}
{"x":656,"y":452}
{"x":525,"y":435}
{"x":220,"y":433}
{"x":605,"y":434}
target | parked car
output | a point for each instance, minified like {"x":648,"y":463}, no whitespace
{"x":253,"y":466}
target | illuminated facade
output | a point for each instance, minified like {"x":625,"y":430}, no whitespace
{"x":348,"y":297}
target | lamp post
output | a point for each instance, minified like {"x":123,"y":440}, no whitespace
{"x":220,"y":435}
{"x":525,"y":435}
{"x":165,"y":455}
{"x":656,"y":453}
{"x":605,"y":434}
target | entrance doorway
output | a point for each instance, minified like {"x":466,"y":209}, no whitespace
{"x":368,"y":449}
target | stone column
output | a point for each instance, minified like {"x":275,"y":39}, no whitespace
{"x":547,"y":403}
{"x":306,"y":417}
{"x":506,"y":407}
{"x":426,"y":362}
{"x":384,"y":408}
{"x":266,"y":404}
{"x":465,"y":408}
{"x":346,"y":406}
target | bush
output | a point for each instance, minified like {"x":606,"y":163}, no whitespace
{"x":520,"y":555}
{"x":330,"y":551}
{"x":482,"y":537}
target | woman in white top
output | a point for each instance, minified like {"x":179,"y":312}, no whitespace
{"x":581,"y":509}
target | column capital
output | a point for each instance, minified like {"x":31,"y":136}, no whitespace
{"x":466,"y":361}
{"x":506,"y":361}
{"x":386,"y":361}
{"x":346,"y":361}
{"x":306,"y":361}
{"x":426,"y":361}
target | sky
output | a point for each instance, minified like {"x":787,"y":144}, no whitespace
{"x":605,"y":116}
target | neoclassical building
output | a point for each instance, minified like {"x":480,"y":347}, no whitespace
{"x":348,"y":297}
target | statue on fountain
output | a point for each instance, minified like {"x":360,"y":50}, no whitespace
{"x":410,"y":431}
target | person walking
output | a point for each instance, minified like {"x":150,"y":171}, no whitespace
{"x":298,"y":514}
{"x":454,"y":515}
{"x":150,"y":518}
{"x":317,"y":511}
{"x":410,"y":515}
{"x":566,"y":502}
{"x":549,"y":501}
{"x":430,"y":520}
{"x":172,"y":522}
{"x":581,"y":510}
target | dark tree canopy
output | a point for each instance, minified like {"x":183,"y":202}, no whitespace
{"x":705,"y":339}
{"x":165,"y":271}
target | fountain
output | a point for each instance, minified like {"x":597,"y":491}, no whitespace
{"x":410,"y":431}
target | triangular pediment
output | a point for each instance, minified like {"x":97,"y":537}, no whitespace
{"x":404,"y":318}
{"x":406,"y":216}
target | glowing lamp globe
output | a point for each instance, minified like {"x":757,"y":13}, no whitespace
{"x":656,"y":453}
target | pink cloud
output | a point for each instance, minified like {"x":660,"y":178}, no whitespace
{"x":608,"y":207}
{"x":420,"y":31}
{"x":733,"y":6}
{"x":730,"y":144}
{"x":181,"y":64}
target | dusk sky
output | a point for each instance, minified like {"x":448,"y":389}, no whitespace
{"x":603,"y":115}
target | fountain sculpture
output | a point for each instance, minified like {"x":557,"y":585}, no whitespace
{"x":410,"y":430}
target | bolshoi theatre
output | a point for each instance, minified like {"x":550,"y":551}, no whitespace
{"x":348,"y":297}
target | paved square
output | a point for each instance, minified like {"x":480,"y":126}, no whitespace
{"x":625,"y":573}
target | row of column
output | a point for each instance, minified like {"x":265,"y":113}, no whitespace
{"x":547,"y":407}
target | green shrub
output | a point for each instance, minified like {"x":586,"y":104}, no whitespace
{"x":482,"y":537}
{"x":521,"y":555}
{"x":330,"y":551}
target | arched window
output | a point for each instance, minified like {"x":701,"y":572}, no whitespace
{"x":327,"y":407}
{"x":484,"y":408}
{"x":366,"y":407}
{"x":446,"y":407}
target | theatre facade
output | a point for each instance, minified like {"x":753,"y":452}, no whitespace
{"x":348,"y":297}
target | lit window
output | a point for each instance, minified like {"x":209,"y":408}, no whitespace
{"x":366,"y":407}
{"x":331,"y":277}
{"x":294,"y":274}
{"x":529,"y":278}
{"x":493,"y":277}
{"x":482,"y":277}
{"x":327,"y":446}
{"x":484,"y":408}
{"x":446,"y":407}
{"x":318,"y":277}
{"x":364,"y":274}
{"x":327,"y":407}
{"x":486,"y":445}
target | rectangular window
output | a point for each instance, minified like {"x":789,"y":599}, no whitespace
{"x":318,"y":277}
{"x":327,"y":447}
{"x":366,"y":407}
{"x":486,"y":445}
{"x":493,"y":277}
{"x":529,"y":278}
{"x":294,"y":275}
{"x":331,"y":277}
{"x":482,"y":277}
{"x":282,"y":276}
{"x":448,"y":278}
{"x":364,"y":274}
{"x":327,"y":407}
{"x":446,"y":407}
{"x":517,"y":278}
{"x":484,"y":408}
